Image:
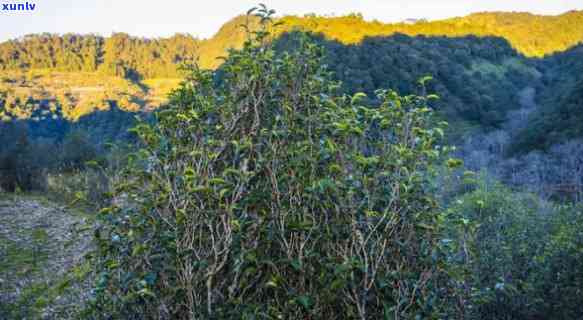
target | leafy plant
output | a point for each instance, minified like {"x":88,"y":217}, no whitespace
{"x":262,"y":192}
{"x":518,"y":257}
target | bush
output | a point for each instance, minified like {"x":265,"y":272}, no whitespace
{"x":558,"y":282}
{"x":266,"y":194}
{"x":522,"y":256}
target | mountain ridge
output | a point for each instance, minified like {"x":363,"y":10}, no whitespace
{"x":531,"y":34}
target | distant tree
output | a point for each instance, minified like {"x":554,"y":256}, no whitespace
{"x":77,"y":149}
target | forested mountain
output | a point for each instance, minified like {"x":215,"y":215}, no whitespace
{"x":477,"y":79}
{"x":476,"y":70}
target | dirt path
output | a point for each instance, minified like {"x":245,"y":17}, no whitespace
{"x":41,"y":245}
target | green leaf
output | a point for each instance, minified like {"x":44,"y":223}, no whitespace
{"x":296,"y":264}
{"x":146,"y":293}
{"x":454,"y":163}
{"x":357,"y":97}
{"x":424,"y":80}
{"x":189,"y":173}
{"x":217,"y":181}
{"x":305,"y":301}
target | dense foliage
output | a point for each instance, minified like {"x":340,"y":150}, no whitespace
{"x":523,"y":254}
{"x":270,"y":194}
{"x":476,"y":78}
{"x":559,"y":120}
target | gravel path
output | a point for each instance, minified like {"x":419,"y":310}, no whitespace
{"x":41,"y":244}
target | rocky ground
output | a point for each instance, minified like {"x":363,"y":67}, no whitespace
{"x":42,"y":266}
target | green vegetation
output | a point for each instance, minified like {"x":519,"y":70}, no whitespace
{"x":119,"y":55}
{"x":273,"y":194}
{"x":477,"y":73}
{"x":559,"y":120}
{"x":290,"y":182}
{"x":476,"y":79}
{"x":23,"y":260}
{"x":524,"y":255}
{"x":262,"y":190}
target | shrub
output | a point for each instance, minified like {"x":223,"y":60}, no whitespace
{"x":267,"y":194}
{"x":558,"y":282}
{"x":521,"y":256}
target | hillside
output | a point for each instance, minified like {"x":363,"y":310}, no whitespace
{"x":532,"y":35}
{"x":76,"y":94}
{"x":85,"y":73}
{"x":561,"y":115}
{"x":123,"y":55}
{"x":479,"y":63}
{"x":477,"y":79}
